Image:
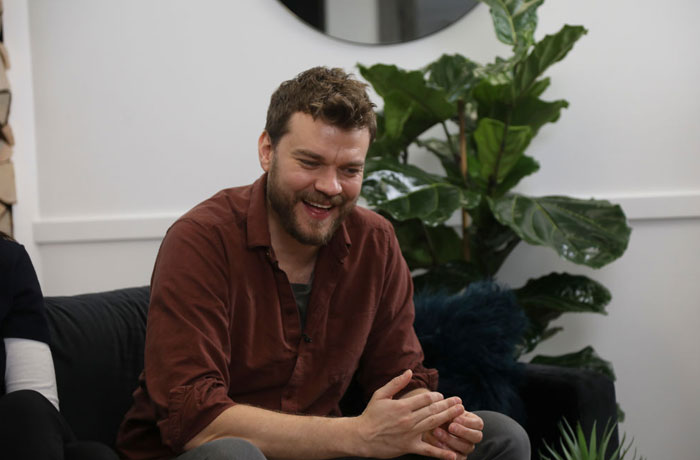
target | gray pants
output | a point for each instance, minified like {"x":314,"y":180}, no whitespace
{"x":503,"y":439}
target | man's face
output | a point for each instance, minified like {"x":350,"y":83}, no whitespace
{"x":314,"y":176}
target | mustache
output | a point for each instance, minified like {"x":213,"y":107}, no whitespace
{"x":322,"y":198}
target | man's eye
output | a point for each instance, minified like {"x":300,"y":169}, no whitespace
{"x":353,"y":171}
{"x":308,"y":163}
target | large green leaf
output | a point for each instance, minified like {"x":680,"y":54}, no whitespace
{"x":539,"y":87}
{"x":587,"y":232}
{"x":424,"y":246}
{"x":535,"y":112}
{"x":524,"y":167}
{"x":455,"y":74}
{"x":498,"y":102}
{"x":500,"y":146}
{"x":397,"y":110}
{"x":562,"y":292}
{"x":545,"y":299}
{"x":587,"y":358}
{"x":490,"y":241}
{"x":546,"y":52}
{"x":498,"y":72}
{"x":515,"y":21}
{"x":383,"y":145}
{"x":445,"y":152}
{"x":493,"y":98}
{"x":451,"y":277}
{"x":407,"y":192}
{"x":411,"y":105}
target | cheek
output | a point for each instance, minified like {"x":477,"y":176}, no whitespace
{"x":352,"y":188}
{"x":299,"y":180}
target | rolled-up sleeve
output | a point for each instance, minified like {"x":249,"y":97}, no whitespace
{"x":393,"y":346}
{"x":188,"y":380}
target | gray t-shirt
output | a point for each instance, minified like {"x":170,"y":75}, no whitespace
{"x":302,"y":292}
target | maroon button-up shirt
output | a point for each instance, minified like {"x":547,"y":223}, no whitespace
{"x":223,"y":326}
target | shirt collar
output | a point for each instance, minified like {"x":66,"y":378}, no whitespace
{"x":258,"y":232}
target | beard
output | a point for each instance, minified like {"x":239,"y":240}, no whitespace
{"x":284,"y":204}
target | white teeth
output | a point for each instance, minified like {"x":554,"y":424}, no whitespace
{"x":316,"y":205}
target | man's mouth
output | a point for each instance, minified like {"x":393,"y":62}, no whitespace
{"x":318,"y":205}
{"x":319,"y":211}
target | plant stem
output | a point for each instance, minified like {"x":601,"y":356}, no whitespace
{"x":463,"y":167}
{"x":431,"y":249}
{"x":404,"y":156}
{"x":449,"y":139}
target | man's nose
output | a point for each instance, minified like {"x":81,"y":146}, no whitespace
{"x":328,"y":183}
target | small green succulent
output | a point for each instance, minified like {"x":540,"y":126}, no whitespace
{"x":575,"y":447}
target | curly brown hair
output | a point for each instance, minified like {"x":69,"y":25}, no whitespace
{"x":329,"y":94}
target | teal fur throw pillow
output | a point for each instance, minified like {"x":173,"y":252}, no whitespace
{"x":471,"y":338}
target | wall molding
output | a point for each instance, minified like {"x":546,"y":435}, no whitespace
{"x":147,"y":227}
{"x":152,"y":227}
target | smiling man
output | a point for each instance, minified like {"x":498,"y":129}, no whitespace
{"x":267,"y":301}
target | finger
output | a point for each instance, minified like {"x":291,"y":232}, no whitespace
{"x":393,"y":386}
{"x":422,"y":400}
{"x":470,"y":420}
{"x":428,"y":450}
{"x":435,"y":420}
{"x":453,"y":442}
{"x":468,"y":434}
{"x":430,"y":438}
{"x":435,"y":408}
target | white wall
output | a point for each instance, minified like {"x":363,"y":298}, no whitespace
{"x":128,"y":113}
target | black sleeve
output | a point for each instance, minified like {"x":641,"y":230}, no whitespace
{"x":23,"y":314}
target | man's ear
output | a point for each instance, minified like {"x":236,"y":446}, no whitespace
{"x":265,"y":151}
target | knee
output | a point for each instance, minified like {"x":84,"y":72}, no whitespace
{"x":24,"y":403}
{"x":504,"y":436}
{"x":35,"y":425}
{"x":230,"y":449}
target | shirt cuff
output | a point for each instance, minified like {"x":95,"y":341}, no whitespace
{"x":191,"y":408}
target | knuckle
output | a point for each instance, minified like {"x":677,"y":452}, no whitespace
{"x":434,"y":421}
{"x":405,"y":421}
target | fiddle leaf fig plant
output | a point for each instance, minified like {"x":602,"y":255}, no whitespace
{"x":478,"y":120}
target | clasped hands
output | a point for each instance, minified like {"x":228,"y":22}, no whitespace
{"x":424,"y":423}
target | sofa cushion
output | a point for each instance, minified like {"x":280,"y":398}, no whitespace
{"x":97,"y":343}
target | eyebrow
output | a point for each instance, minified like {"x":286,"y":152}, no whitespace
{"x":315,"y":156}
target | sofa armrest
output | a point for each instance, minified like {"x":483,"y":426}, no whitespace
{"x":550,"y":393}
{"x":97,"y":346}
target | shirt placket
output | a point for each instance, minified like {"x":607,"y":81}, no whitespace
{"x":310,"y":342}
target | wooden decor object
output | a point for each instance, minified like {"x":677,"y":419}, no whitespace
{"x":8,"y":189}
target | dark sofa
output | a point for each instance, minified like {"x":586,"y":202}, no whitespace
{"x":98,"y":342}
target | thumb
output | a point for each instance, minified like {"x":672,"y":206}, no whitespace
{"x":394,"y":386}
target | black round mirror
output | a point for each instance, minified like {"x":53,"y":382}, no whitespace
{"x":379,"y":22}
